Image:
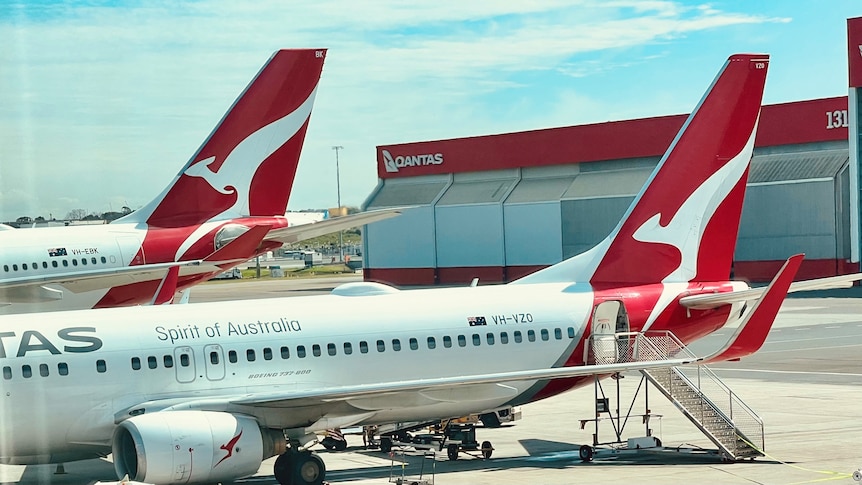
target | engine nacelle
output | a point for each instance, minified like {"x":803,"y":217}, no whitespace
{"x":191,"y":447}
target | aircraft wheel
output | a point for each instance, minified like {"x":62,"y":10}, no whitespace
{"x":487,"y":449}
{"x":308,"y":469}
{"x":452,"y":452}
{"x":299,"y":468}
{"x":586,"y":453}
{"x":283,"y":467}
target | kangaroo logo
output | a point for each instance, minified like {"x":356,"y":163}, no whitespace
{"x":234,"y":175}
{"x":389,"y":162}
{"x":228,"y":447}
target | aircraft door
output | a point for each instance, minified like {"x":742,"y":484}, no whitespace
{"x":214,"y":362}
{"x":184,"y":362}
{"x":609,"y":318}
{"x":131,"y":250}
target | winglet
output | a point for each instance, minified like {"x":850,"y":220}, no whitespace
{"x":754,"y":328}
{"x":165,"y":293}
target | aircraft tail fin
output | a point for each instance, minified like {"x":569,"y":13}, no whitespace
{"x":246,"y":166}
{"x":683,"y":224}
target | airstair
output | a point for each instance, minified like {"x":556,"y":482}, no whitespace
{"x":696,"y":391}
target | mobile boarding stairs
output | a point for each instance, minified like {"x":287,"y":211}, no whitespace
{"x":695,"y":390}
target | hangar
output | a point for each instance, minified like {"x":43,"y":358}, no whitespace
{"x":498,"y":207}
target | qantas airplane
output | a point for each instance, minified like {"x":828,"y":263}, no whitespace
{"x":226,"y":206}
{"x":203,"y":393}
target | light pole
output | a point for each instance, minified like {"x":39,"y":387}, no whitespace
{"x":338,"y":193}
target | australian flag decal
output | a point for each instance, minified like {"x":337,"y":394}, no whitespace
{"x":476,"y":321}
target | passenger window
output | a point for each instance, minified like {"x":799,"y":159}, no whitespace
{"x":84,"y":261}
{"x":152,"y":363}
{"x":74,"y":262}
{"x":43,"y":370}
{"x":44,"y":265}
{"x":104,"y":260}
{"x":381,"y":346}
{"x":504,"y":338}
{"x":168,"y":360}
{"x":330,"y":349}
{"x":231,"y":356}
{"x":185,"y":361}
{"x":545,"y":335}
{"x":93,"y":260}
{"x":63,"y":369}
{"x":249,"y":355}
{"x":35,"y":266}
{"x":558,"y":334}
{"x":432,"y":343}
{"x":571,"y":332}
{"x":300,"y":351}
{"x":414,"y":344}
{"x":517,"y":335}
{"x":462,"y":341}
{"x":315,"y":349}
{"x":490,"y":338}
{"x":54,"y":264}
{"x":6,"y":268}
{"x":363,"y":346}
{"x":14,"y":267}
{"x":447,"y":341}
{"x":136,"y":363}
{"x":267,"y":353}
{"x":348,"y":348}
{"x":285,"y":352}
{"x":65,"y":263}
{"x":26,"y":371}
{"x":396,"y":344}
{"x":477,"y":340}
{"x":531,"y":335}
{"x":101,"y":366}
{"x":24,"y":266}
{"x":214,"y":357}
{"x":7,"y":372}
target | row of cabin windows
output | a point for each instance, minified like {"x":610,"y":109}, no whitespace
{"x":27,"y":371}
{"x":490,"y":338}
{"x":55,"y":264}
{"x":316,"y":350}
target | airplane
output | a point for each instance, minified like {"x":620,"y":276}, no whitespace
{"x":219,"y":387}
{"x":226,"y":206}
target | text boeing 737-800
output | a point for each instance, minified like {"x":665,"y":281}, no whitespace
{"x":227,"y":205}
{"x":203,"y":393}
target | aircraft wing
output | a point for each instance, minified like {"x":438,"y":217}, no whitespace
{"x":32,"y":288}
{"x":301,"y":232}
{"x":714,"y":300}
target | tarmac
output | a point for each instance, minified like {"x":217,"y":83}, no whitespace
{"x":806,"y":385}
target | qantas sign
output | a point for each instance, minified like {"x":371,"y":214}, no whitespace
{"x":394,"y":164}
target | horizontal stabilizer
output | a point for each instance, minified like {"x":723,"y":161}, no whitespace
{"x":755,"y":326}
{"x":240,"y":249}
{"x":302,"y":232}
{"x":709,"y":301}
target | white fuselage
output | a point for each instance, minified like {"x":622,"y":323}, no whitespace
{"x":48,"y":252}
{"x":114,"y":360}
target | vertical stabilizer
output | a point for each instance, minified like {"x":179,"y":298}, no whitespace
{"x":683,"y":224}
{"x":247,"y":165}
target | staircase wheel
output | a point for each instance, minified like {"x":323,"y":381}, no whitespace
{"x":586,"y":453}
{"x":452,"y":452}
{"x":487,"y":449}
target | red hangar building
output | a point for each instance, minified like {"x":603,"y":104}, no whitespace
{"x":499,"y":207}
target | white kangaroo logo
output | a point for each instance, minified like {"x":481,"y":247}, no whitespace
{"x":235,"y":174}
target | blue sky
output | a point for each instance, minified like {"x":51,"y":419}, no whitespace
{"x":102,"y":102}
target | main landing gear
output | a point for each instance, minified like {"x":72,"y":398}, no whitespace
{"x":299,"y":468}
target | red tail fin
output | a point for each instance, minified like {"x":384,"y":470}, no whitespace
{"x":247,"y":165}
{"x":683,"y":224}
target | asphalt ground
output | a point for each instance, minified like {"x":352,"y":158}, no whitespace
{"x":806,"y":385}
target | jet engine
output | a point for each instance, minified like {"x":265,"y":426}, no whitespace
{"x":192,"y":447}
